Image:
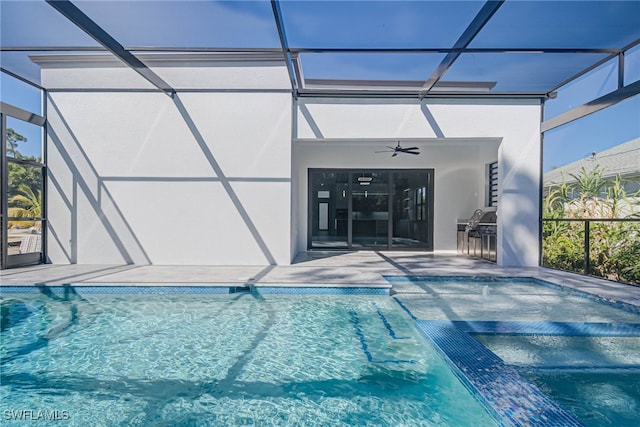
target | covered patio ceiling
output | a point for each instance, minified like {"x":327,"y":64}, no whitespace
{"x":413,"y":49}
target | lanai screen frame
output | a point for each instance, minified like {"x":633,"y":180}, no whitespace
{"x":431,"y":87}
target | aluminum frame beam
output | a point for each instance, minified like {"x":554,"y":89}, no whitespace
{"x":4,"y":200}
{"x":277,"y":16}
{"x":598,"y":104}
{"x":86,"y":24}
{"x":295,"y":50}
{"x":480,"y":20}
{"x":20,"y":114}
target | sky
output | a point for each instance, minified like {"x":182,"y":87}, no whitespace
{"x":371,"y":24}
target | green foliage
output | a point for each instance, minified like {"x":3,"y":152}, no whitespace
{"x":589,"y":184}
{"x":23,"y":175}
{"x":24,"y":184}
{"x":614,"y":247}
{"x":562,"y":246}
{"x":26,"y":204}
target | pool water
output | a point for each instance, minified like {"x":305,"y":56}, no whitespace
{"x":595,"y":378}
{"x":597,"y":397}
{"x":582,"y":352}
{"x":501,"y":300}
{"x":565,"y":351}
{"x":239,"y":359}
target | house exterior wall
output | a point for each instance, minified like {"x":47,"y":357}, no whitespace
{"x":457,"y":139}
{"x":218,"y":173}
{"x":138,"y":177}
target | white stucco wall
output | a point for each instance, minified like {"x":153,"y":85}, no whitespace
{"x":141,"y":178}
{"x":457,"y":139}
{"x":220,"y":176}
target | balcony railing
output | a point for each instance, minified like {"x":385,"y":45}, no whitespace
{"x":601,"y":247}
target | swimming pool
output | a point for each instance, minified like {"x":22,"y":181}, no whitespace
{"x":324,"y":356}
{"x":581,"y":351}
{"x":92,"y":358}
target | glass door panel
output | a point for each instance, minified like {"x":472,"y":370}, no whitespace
{"x":329,"y":207}
{"x":412,"y":210}
{"x":370,"y":210}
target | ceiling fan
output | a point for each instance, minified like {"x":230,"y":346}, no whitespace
{"x":398,"y":149}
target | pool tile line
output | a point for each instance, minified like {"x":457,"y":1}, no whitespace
{"x":386,"y":323}
{"x":320,"y":290}
{"x":115,"y":290}
{"x":614,"y":369}
{"x":405,"y":308}
{"x":191,"y":289}
{"x":500,"y":388}
{"x":547,"y":328}
{"x":476,"y":279}
{"x":355,"y":320}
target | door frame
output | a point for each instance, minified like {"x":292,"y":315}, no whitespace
{"x":430,"y":172}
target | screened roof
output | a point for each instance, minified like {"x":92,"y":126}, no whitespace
{"x":395,"y":48}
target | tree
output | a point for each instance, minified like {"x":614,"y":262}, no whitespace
{"x":27,"y":204}
{"x":20,"y":174}
{"x":24,"y":184}
{"x":13,"y":138}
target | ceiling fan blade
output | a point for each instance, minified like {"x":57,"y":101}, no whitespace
{"x":409,"y":148}
{"x":391,"y":148}
{"x":412,"y":152}
{"x":384,"y":151}
{"x":394,"y":154}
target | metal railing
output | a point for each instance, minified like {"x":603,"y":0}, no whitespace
{"x":621,"y":241}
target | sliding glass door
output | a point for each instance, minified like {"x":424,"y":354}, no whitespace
{"x":412,"y":210}
{"x":370,"y":209}
{"x":329,"y":208}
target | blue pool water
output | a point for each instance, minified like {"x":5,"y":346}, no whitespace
{"x":598,"y":397}
{"x":522,"y":352}
{"x":582,"y":352}
{"x":239,"y":359}
{"x":595,"y":378}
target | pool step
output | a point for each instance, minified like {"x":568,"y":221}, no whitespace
{"x":364,"y":343}
{"x":500,"y":388}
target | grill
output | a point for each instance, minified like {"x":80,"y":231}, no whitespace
{"x":477,"y":236}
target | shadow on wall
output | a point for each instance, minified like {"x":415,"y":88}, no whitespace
{"x":86,"y":182}
{"x":80,"y":181}
{"x":225,"y":182}
{"x":317,"y":132}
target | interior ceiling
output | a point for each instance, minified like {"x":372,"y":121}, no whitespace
{"x":342,"y":48}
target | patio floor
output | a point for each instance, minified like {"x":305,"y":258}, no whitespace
{"x":345,"y":269}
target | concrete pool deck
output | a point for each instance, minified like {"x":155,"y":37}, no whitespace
{"x":310,"y":269}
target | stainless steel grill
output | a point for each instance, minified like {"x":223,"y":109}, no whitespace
{"x":477,"y":236}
